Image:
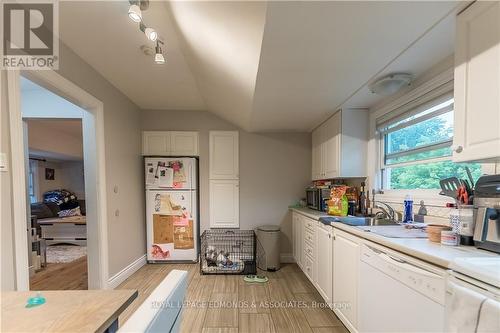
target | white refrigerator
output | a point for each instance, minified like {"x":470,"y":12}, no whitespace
{"x":172,"y":209}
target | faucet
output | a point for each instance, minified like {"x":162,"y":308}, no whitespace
{"x":387,"y":210}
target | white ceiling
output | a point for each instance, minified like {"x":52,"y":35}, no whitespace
{"x":264,"y":66}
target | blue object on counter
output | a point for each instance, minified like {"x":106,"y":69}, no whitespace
{"x":350,"y":220}
{"x":408,"y":212}
{"x":35,"y":301}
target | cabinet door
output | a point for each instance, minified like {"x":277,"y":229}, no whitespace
{"x":224,"y":204}
{"x":345,"y":276}
{"x":324,"y":281}
{"x":297,"y":239}
{"x":155,"y":143}
{"x":317,"y":154}
{"x":224,"y":156}
{"x":477,"y":83}
{"x":184,"y":143}
{"x":331,"y":144}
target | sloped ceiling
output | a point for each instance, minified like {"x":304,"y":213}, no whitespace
{"x":264,"y":66}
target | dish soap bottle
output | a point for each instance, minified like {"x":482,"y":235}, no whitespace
{"x":408,"y":209}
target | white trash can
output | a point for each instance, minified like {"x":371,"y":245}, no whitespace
{"x":268,"y":237}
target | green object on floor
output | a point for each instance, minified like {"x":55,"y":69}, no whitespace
{"x":256,"y":278}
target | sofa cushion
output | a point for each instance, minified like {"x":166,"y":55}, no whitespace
{"x":41,"y":210}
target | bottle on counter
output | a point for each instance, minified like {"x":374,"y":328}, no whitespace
{"x":408,"y":209}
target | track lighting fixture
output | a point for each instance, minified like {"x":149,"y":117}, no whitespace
{"x":150,"y":33}
{"x":159,"y":58}
{"x":135,"y":14}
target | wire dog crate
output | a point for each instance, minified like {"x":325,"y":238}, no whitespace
{"x":227,"y":251}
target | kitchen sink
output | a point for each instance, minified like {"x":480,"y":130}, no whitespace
{"x":357,"y":221}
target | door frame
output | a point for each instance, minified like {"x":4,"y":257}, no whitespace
{"x":94,"y":173}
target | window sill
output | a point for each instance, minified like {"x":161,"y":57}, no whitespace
{"x":430,"y":197}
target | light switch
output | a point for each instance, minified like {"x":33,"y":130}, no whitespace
{"x":3,"y":162}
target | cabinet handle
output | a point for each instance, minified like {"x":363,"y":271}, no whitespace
{"x":457,"y":149}
{"x":329,"y":236}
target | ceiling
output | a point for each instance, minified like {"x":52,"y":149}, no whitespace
{"x":264,"y":66}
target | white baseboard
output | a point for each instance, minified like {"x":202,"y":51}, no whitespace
{"x":287,"y":258}
{"x":122,"y":275}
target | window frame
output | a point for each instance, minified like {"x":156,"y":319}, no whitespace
{"x":33,"y":174}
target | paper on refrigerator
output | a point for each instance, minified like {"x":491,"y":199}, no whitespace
{"x":165,"y":176}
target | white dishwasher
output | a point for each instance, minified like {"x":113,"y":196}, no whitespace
{"x":398,"y":293}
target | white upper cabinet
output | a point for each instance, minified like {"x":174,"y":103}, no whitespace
{"x":169,"y":143}
{"x":477,"y":83}
{"x":224,"y":156}
{"x":339,"y":145}
{"x":184,"y":143}
{"x":155,"y":143}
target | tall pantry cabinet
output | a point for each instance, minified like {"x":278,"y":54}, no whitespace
{"x":224,"y":179}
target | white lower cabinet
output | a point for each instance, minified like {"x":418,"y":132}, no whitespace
{"x":297,"y":238}
{"x":324,"y":260}
{"x":308,"y":259}
{"x":345,"y":277}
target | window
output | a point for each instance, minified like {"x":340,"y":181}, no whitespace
{"x":416,"y":146}
{"x":33,"y":180}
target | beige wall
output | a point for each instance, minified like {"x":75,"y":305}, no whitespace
{"x":274,"y":168}
{"x":68,"y":175}
{"x":126,"y":232}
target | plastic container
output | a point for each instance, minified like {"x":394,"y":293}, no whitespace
{"x":449,"y":238}
{"x":466,"y":225}
{"x":408,"y":209}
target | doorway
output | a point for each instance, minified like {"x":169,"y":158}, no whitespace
{"x":89,"y":117}
{"x":57,"y":243}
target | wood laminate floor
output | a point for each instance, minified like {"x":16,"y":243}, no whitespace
{"x":288,"y":287}
{"x":67,"y":276}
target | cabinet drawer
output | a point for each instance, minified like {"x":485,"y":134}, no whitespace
{"x":309,"y":236}
{"x":310,"y":225}
{"x":308,"y":267}
{"x":309,"y":250}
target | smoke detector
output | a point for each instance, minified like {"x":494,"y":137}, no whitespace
{"x":147,"y":50}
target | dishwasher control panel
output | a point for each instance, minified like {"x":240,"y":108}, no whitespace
{"x":418,"y":277}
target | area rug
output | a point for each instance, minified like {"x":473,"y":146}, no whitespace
{"x":58,"y":254}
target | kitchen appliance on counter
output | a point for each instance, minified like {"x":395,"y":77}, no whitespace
{"x":316,"y":198}
{"x":172,"y":209}
{"x":487,"y":213}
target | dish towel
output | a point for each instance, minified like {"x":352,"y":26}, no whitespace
{"x":489,"y":317}
{"x":462,"y":310}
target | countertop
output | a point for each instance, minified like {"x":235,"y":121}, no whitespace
{"x":64,"y":311}
{"x":421,"y":248}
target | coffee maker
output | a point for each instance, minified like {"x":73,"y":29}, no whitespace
{"x":487,"y":213}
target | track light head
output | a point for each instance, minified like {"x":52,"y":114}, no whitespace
{"x":159,"y":58}
{"x":135,"y":14}
{"x":151,"y":34}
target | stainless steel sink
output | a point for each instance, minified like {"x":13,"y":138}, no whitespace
{"x":371,"y":221}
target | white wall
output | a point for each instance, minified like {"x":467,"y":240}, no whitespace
{"x":68,"y":175}
{"x":45,"y":104}
{"x":274,"y":168}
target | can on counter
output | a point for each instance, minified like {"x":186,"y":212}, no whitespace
{"x":450,"y":238}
